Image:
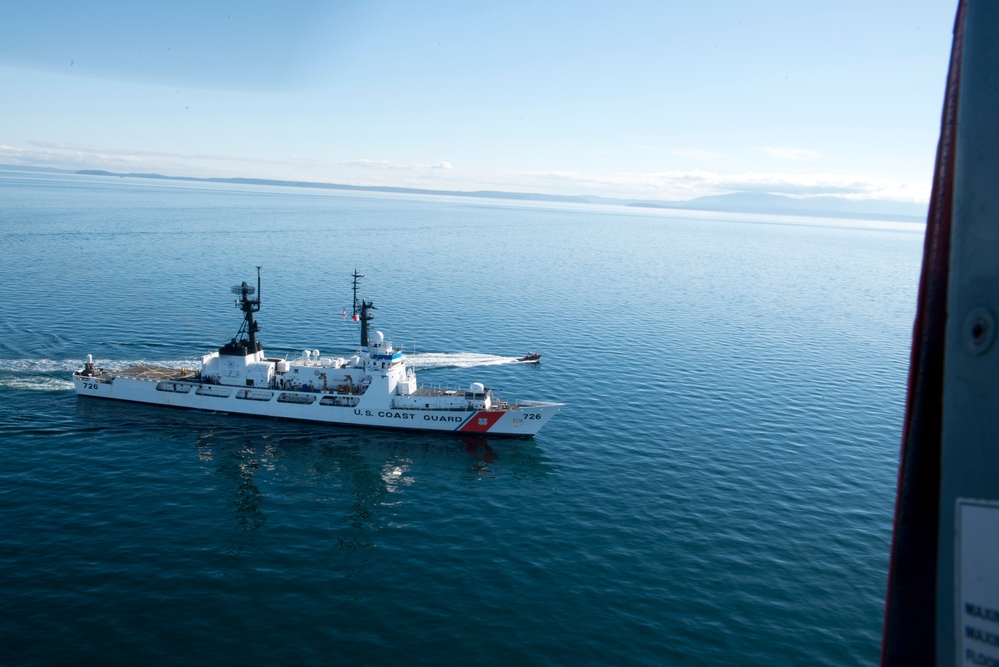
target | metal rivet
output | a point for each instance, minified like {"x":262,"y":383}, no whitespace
{"x":979,"y":330}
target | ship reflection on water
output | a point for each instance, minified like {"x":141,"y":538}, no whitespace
{"x":374,"y":472}
{"x":303,"y":483}
{"x":484,"y":454}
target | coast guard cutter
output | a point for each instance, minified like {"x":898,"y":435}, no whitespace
{"x":376,"y":387}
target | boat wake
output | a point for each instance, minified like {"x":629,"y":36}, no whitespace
{"x":53,"y":374}
{"x":34,"y":383}
{"x":457,"y":360}
{"x":374,"y":388}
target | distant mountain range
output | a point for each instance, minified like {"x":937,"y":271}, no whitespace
{"x":758,"y":202}
{"x":528,"y":196}
{"x":737,"y":202}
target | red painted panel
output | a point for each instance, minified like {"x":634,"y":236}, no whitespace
{"x":481,"y":422}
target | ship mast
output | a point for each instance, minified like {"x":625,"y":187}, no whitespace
{"x":364,"y":316}
{"x":248,"y":306}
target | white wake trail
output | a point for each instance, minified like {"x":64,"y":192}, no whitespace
{"x":457,"y":360}
{"x":44,"y":374}
{"x":35,"y":383}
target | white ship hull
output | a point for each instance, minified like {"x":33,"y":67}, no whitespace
{"x":523,"y":421}
{"x":375,"y":387}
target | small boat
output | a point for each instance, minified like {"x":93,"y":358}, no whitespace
{"x":530,"y":358}
{"x":375,"y":387}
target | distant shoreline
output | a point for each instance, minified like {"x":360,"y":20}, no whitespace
{"x":738,"y":202}
{"x":529,"y":196}
{"x":808,"y":212}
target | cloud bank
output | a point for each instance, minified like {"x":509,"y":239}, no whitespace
{"x":441,"y":174}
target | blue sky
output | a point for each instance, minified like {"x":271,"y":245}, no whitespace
{"x":658,"y":100}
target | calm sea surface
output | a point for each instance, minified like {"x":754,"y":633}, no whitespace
{"x":719,"y":489}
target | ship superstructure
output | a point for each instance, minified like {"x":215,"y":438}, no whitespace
{"x":374,"y":387}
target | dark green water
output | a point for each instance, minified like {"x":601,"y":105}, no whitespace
{"x":719,"y":489}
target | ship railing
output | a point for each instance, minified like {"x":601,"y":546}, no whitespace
{"x":340,"y":389}
{"x":98,"y":375}
{"x":459,"y":408}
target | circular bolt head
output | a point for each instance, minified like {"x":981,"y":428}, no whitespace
{"x":979,"y":330}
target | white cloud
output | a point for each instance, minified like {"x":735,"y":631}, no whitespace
{"x":367,"y":163}
{"x":793,"y":154}
{"x":699,"y":154}
{"x":654,"y":185}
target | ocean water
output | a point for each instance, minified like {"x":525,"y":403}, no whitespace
{"x":718,"y":490}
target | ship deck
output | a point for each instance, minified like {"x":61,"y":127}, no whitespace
{"x":159,"y":373}
{"x":435,"y":391}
